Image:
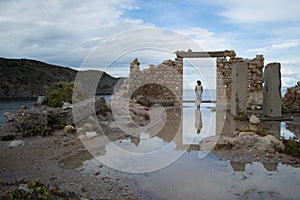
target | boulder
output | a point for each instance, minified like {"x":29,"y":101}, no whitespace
{"x":254,"y":119}
{"x":247,"y":138}
{"x":59,"y":118}
{"x":101,"y":106}
{"x":268,"y":140}
{"x":41,"y":116}
{"x":29,"y":119}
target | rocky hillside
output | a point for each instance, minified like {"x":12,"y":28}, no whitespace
{"x":30,"y":78}
{"x":291,"y":100}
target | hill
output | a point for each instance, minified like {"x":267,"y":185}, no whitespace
{"x":24,"y":78}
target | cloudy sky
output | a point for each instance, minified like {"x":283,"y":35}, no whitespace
{"x":68,"y":32}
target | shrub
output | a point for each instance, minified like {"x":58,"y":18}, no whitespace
{"x":63,"y":92}
{"x":36,"y":190}
{"x":240,"y":117}
{"x":291,"y":147}
{"x":226,"y":144}
{"x":40,"y":130}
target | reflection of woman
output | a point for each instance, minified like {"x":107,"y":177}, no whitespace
{"x":198,"y":120}
{"x":198,"y":91}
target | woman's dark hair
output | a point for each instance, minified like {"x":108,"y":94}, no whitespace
{"x":199,"y":82}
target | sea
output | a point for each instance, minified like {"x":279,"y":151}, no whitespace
{"x":11,"y":106}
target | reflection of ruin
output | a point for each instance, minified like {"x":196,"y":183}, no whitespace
{"x":239,"y":87}
{"x":241,"y":166}
{"x":172,"y":131}
{"x":229,"y":125}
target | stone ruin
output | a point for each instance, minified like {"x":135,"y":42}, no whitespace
{"x":158,"y":83}
{"x":224,"y":62}
{"x":254,"y":77}
{"x":165,"y":81}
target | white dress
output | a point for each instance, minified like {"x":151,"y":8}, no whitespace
{"x":198,"y":91}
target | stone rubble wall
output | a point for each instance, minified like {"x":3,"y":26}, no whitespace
{"x":255,"y":79}
{"x":162,"y":82}
{"x":291,"y":100}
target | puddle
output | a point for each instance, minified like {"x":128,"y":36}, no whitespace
{"x":190,"y":177}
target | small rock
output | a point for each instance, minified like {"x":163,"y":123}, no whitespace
{"x":6,"y":115}
{"x":67,"y":105}
{"x":88,"y":127}
{"x":8,"y":137}
{"x":254,"y":119}
{"x":90,"y":134}
{"x":69,"y":129}
{"x":9,"y":117}
{"x":97,"y":173}
{"x":91,"y":120}
{"x":105,"y":123}
{"x":23,"y":187}
{"x":80,"y":130}
{"x":41,"y":100}
{"x":113,"y":125}
{"x":16,"y":143}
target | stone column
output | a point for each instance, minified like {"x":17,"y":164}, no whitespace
{"x":272,"y":90}
{"x":179,"y":69}
{"x":239,"y":89}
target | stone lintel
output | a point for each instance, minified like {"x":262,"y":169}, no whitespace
{"x":208,"y":54}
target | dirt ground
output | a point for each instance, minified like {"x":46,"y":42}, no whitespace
{"x":58,"y":160}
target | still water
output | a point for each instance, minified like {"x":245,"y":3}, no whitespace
{"x":190,"y":175}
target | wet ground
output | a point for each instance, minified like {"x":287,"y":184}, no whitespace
{"x":178,"y":169}
{"x":163,"y":163}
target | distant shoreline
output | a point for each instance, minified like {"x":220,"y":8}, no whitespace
{"x":19,"y":99}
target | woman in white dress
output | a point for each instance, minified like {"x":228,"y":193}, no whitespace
{"x":198,"y":91}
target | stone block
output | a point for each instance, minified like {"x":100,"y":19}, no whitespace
{"x":272,"y":90}
{"x":239,"y":89}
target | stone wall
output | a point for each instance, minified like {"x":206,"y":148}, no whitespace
{"x":255,"y":79}
{"x":162,"y":82}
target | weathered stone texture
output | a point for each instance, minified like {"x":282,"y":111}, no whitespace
{"x":272,"y":90}
{"x":239,"y":89}
{"x":291,"y":100}
{"x":161,"y":82}
{"x":254,"y":76}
